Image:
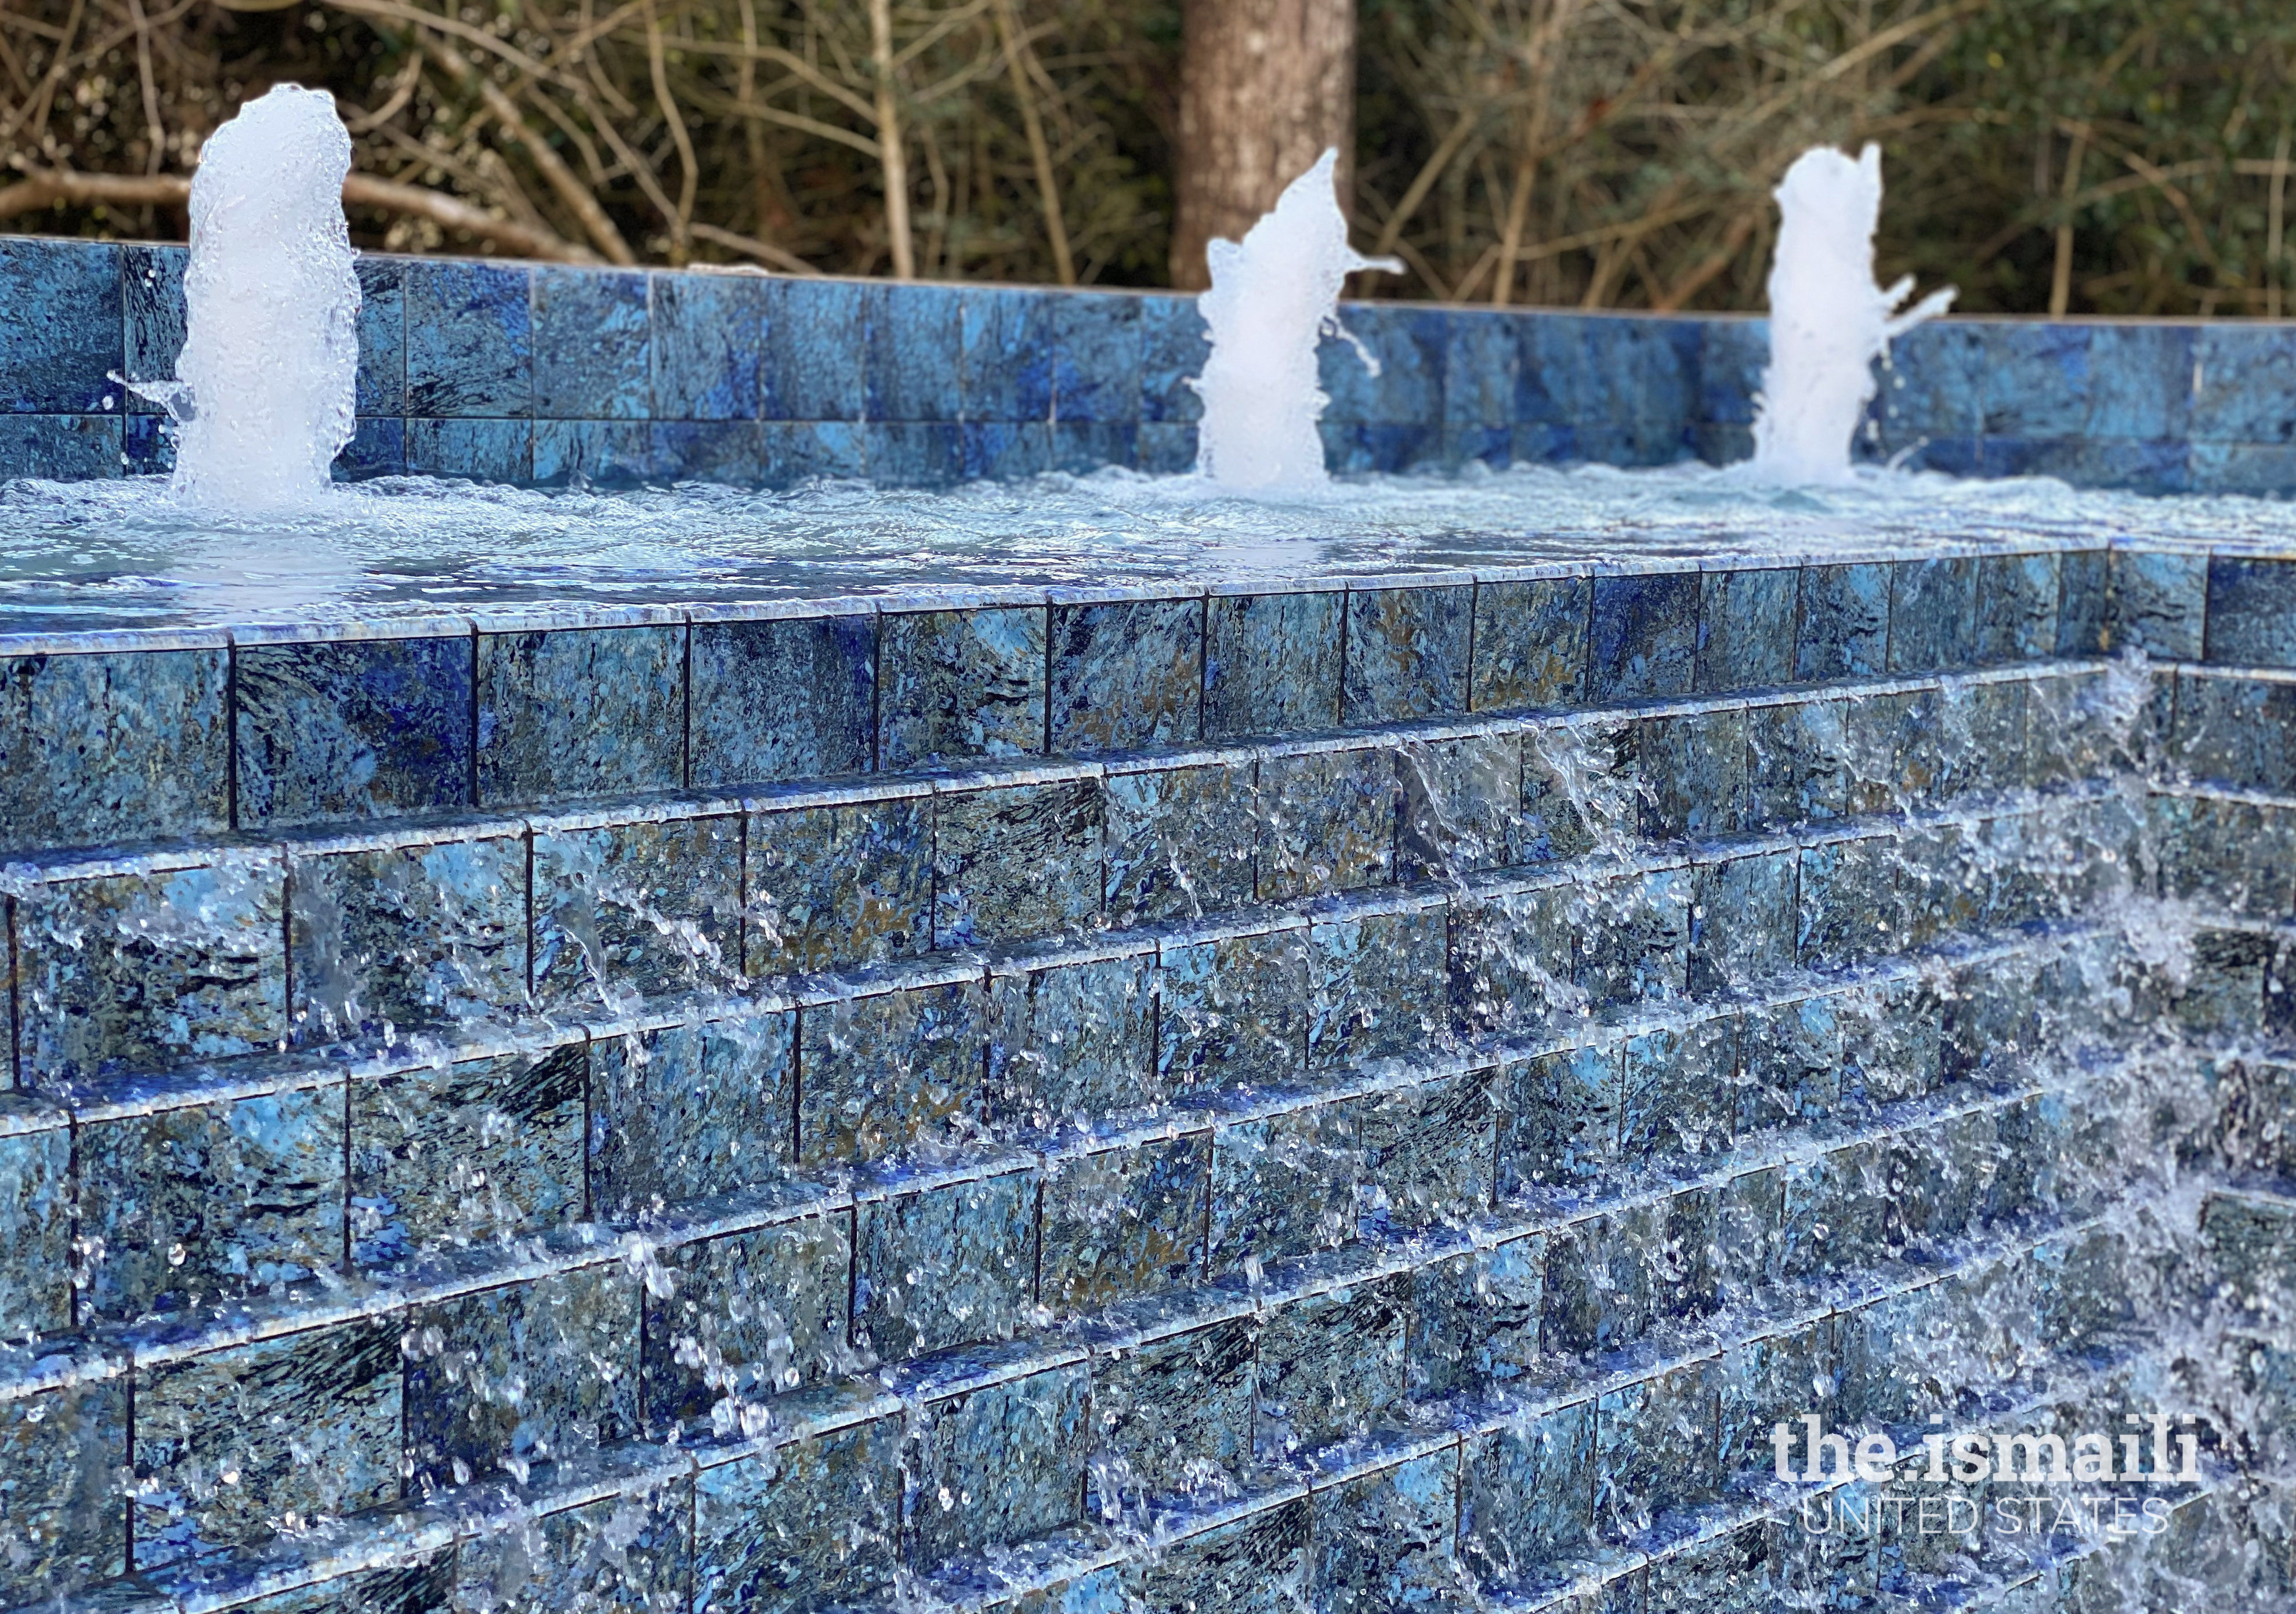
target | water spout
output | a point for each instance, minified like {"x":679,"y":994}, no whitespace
{"x":1829,"y":321}
{"x":264,"y":391}
{"x":1273,"y":297}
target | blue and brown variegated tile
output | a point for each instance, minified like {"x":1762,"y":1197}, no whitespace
{"x":1406,"y":652}
{"x":1178,"y":841}
{"x":630,"y":912}
{"x":837,"y":885}
{"x":689,"y":1112}
{"x":1233,"y":1012}
{"x":782,"y":698}
{"x":1531,"y":643}
{"x":1285,"y":1186}
{"x":1272,"y":663}
{"x":352,"y":728}
{"x":747,"y":1316}
{"x":1125,"y":1222}
{"x":1387,"y":1535}
{"x":1126,"y":675}
{"x":1331,"y":1368}
{"x":1475,"y":1318}
{"x":1328,"y":820}
{"x":1745,"y":628}
{"x":1072,"y":1042}
{"x":1377,"y":984}
{"x":960,"y":684}
{"x":629,"y":1551}
{"x":1845,"y":622}
{"x":1526,"y":1505}
{"x":1173,"y":1419}
{"x":950,"y":1266}
{"x":35,"y":1216}
{"x":814,"y":1523}
{"x":54,"y":1443}
{"x":578,"y":713}
{"x":1428,"y":1152}
{"x":884,"y":1072}
{"x":1010,"y":1459}
{"x":1018,"y":862}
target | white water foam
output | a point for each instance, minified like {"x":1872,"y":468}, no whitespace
{"x":1273,"y":297}
{"x":264,"y":391}
{"x":1829,"y":321}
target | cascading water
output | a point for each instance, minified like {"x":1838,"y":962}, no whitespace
{"x":1829,"y":321}
{"x":263,"y":391}
{"x":1273,"y":297}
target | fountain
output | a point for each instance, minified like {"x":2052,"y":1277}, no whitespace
{"x":1828,"y":320}
{"x":1026,"y":1047}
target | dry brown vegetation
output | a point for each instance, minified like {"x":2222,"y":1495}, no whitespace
{"x":2066,"y":154}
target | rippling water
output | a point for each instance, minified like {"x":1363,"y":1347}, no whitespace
{"x":124,"y":554}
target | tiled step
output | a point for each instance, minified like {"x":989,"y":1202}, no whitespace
{"x":120,"y":738}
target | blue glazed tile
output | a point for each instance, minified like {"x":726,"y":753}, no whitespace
{"x":469,"y":338}
{"x":1644,"y":638}
{"x":1285,"y":1186}
{"x":1743,"y":921}
{"x":581,"y":713}
{"x":1353,"y":448}
{"x":2159,"y":602}
{"x":534,"y":1372}
{"x":1933,"y":615}
{"x":1510,"y":966}
{"x":52,"y":1440}
{"x":1553,"y":385}
{"x":353,"y":729}
{"x":816,"y":338}
{"x":152,"y":302}
{"x":830,"y":888}
{"x":1428,"y":1153}
{"x":1173,"y":348}
{"x":1526,"y":1499}
{"x":1331,"y":1367}
{"x":623,"y":1552}
{"x":1845,"y":622}
{"x":1732,"y":355}
{"x":637,"y":911}
{"x":1017,"y":863}
{"x":1598,"y":1287}
{"x":1406,"y":653}
{"x":307,"y":1425}
{"x":1272,"y":664}
{"x":2240,"y":731}
{"x":914,"y":453}
{"x":1098,"y":356}
{"x":2140,"y":381}
{"x":881,"y":1073}
{"x":148,"y":446}
{"x":953,"y":1267}
{"x":2266,"y":469}
{"x":1166,"y":450}
{"x":1475,"y":1318}
{"x":378,"y":448}
{"x":958,"y":684}
{"x":187,"y":1207}
{"x":1178,"y":842}
{"x":1933,"y":384}
{"x":1635,"y":946}
{"x":1530,"y":644}
{"x":1848,"y":896}
{"x":688,"y":1112}
{"x":2252,"y":611}
{"x":463,"y":1153}
{"x":1890,"y":751}
{"x":1000,"y":451}
{"x":97,"y":994}
{"x":800,"y":451}
{"x":2018,"y":598}
{"x":407,"y":935}
{"x":36,"y":1220}
{"x":1232,"y":1013}
{"x":1328,"y":822}
{"x":2244,"y":388}
{"x":748,"y":1317}
{"x":1125,"y":1222}
{"x":813,"y":1524}
{"x":1678,"y":1096}
{"x":1478,"y":369}
{"x":1546,"y":443}
{"x":1256,"y":1565}
{"x":1656,"y":1444}
{"x":1010,"y":1461}
{"x":61,"y":328}
{"x":481,"y":450}
{"x":1463,"y":808}
{"x":781,"y":699}
{"x":708,"y":347}
{"x":1385,"y":1539}
{"x":1410,"y":341}
{"x":1126,"y":675}
{"x":915,"y":346}
{"x":62,"y":448}
{"x":381,"y":384}
{"x":1692,"y":772}
{"x":1081,"y":447}
{"x":1072,"y":1044}
{"x":729,"y":452}
{"x":1375,"y":986}
{"x":2037,"y":378}
{"x":1745,"y":629}
{"x":1561,"y":1122}
{"x":2232,"y":856}
{"x":1724,"y":444}
{"x":1172,"y":1418}
{"x":1008,"y":358}
{"x":111,"y":746}
{"x":594,"y":454}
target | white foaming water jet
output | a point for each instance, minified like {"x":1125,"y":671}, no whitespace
{"x":263,"y":395}
{"x":1829,"y":321}
{"x":1273,"y":297}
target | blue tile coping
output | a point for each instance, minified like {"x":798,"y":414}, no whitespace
{"x":518,"y":372}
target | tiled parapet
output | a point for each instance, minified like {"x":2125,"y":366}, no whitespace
{"x":550,"y":374}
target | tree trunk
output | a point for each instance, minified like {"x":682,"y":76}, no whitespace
{"x":1265,"y":87}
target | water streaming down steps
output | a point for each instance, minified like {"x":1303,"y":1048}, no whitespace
{"x":1139,"y":1143}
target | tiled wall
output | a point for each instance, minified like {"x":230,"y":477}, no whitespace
{"x":526,"y":373}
